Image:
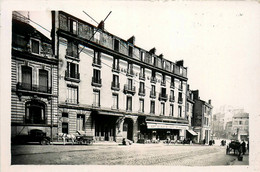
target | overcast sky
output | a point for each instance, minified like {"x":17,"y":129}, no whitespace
{"x":218,"y":41}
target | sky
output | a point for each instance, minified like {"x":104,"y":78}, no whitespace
{"x":218,"y":41}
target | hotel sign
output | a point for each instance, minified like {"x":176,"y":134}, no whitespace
{"x":165,"y":126}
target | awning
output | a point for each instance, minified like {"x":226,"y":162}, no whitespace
{"x":164,"y":126}
{"x":192,"y":132}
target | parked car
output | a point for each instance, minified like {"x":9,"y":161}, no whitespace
{"x":34,"y":135}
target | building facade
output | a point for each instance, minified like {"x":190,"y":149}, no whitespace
{"x":218,"y":126}
{"x":240,"y":126}
{"x":34,"y":80}
{"x":202,"y":118}
{"x":112,"y":89}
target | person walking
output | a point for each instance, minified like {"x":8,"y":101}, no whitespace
{"x":243,"y":147}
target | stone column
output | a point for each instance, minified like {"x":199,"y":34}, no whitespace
{"x":119,"y":129}
{"x":135,"y":129}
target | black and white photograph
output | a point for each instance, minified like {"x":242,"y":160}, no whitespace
{"x":130,"y":85}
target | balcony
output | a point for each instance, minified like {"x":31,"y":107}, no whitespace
{"x":130,"y":72}
{"x":72,"y":76}
{"x":141,"y":92}
{"x":153,"y":80}
{"x":163,"y":97}
{"x":96,"y":62}
{"x":142,"y":76}
{"x":97,"y":82}
{"x":152,"y":94}
{"x":115,"y":86}
{"x":172,"y":98}
{"x":116,"y":69}
{"x":163,"y":83}
{"x":129,"y":89}
{"x":32,"y":87}
{"x":180,"y":100}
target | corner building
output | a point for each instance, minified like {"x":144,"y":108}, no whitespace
{"x":112,"y":89}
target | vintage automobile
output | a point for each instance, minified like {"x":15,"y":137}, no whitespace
{"x":34,"y":135}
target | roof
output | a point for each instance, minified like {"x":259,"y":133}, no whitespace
{"x":241,"y":115}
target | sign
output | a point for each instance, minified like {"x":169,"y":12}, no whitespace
{"x":165,"y":126}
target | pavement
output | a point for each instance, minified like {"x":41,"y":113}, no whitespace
{"x":245,"y":161}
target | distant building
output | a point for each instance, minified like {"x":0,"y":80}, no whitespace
{"x":34,"y":86}
{"x":218,"y":127}
{"x":240,"y":126}
{"x":202,"y":118}
{"x":228,"y":130}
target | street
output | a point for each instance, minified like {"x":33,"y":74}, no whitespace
{"x":114,"y":154}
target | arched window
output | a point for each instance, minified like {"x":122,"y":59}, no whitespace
{"x":35,"y":112}
{"x":43,"y":80}
{"x":26,"y":77}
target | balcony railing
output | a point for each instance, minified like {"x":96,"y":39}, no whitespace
{"x":180,"y":100}
{"x":72,"y":76}
{"x":142,"y":76}
{"x":152,"y":94}
{"x":172,"y":98}
{"x":115,"y":86}
{"x":116,"y":69}
{"x":130,"y":72}
{"x":129,"y":89}
{"x":163,"y":83}
{"x":141,"y":92}
{"x":97,"y":82}
{"x":33,"y":87}
{"x":163,"y":97}
{"x":153,"y":79}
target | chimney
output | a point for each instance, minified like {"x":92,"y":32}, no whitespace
{"x":161,"y":56}
{"x":131,"y":40}
{"x":210,"y":101}
{"x":101,"y":25}
{"x":153,"y":50}
{"x":179,"y":63}
{"x":196,"y":94}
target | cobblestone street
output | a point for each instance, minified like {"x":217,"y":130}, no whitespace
{"x":137,"y":154}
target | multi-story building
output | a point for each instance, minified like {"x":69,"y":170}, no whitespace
{"x":240,"y":126}
{"x":218,"y":127}
{"x":202,"y":118}
{"x":112,"y":89}
{"x":34,"y":80}
{"x":228,"y":130}
{"x":189,"y":112}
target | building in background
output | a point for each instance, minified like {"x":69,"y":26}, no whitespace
{"x":202,"y":118}
{"x":240,"y":126}
{"x":112,"y":89}
{"x":218,"y":127}
{"x":34,"y":86}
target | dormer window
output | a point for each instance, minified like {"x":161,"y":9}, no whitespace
{"x":96,"y":36}
{"x":73,"y":26}
{"x":130,"y":51}
{"x":35,"y":46}
{"x":116,"y":45}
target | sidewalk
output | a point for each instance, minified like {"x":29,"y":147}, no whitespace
{"x":244,"y":162}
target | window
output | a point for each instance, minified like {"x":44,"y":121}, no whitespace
{"x":163,"y":92}
{"x":35,"y":112}
{"x":43,"y":80}
{"x":116,"y":64}
{"x":130,"y":83}
{"x":172,"y":82}
{"x":80,"y":122}
{"x":72,"y":49}
{"x":73,"y":26}
{"x":129,"y":103}
{"x":141,"y":105}
{"x":96,"y":100}
{"x":141,"y":89}
{"x":72,"y":94}
{"x":26,"y":77}
{"x":130,"y":70}
{"x":152,"y":107}
{"x":96,"y":76}
{"x":130,"y":51}
{"x":181,"y":85}
{"x":172,"y":96}
{"x":115,"y":101}
{"x":35,"y":46}
{"x":115,"y":82}
{"x":240,"y":122}
{"x":163,"y":80}
{"x":65,"y":127}
{"x":162,"y":108}
{"x":116,"y":45}
{"x":65,"y":115}
{"x":179,"y":111}
{"x":180,"y":97}
{"x":171,"y":109}
{"x":142,"y":55}
{"x":97,"y":36}
{"x":97,"y":58}
{"x":142,"y":73}
{"x":153,"y":93}
{"x":188,"y":107}
{"x":72,"y":70}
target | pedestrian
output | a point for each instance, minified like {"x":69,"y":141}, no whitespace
{"x":204,"y":141}
{"x":243,"y":147}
